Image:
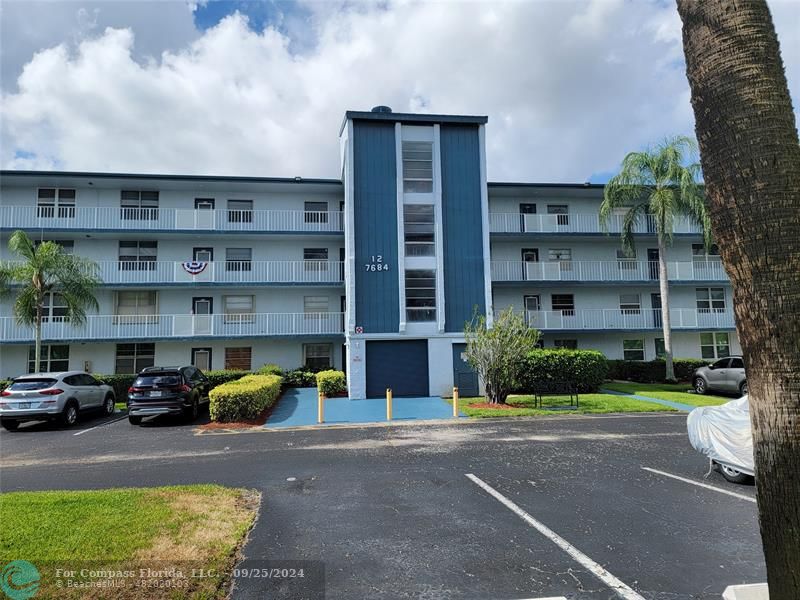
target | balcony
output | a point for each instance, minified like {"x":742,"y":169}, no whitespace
{"x":577,"y":223}
{"x":289,"y":272}
{"x":606,"y":271}
{"x":153,"y":327}
{"x":611,"y":319}
{"x":170,"y":219}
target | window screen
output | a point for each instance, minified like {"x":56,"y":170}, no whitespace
{"x":418,"y":229}
{"x":417,"y":167}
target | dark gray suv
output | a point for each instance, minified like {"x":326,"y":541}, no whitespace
{"x":167,"y":391}
{"x":723,"y":375}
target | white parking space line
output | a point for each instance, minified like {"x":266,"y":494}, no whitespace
{"x":598,"y":571}
{"x":700,"y":484}
{"x":82,"y":431}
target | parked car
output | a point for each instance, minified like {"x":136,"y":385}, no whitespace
{"x":167,"y":391}
{"x":723,"y":375}
{"x":723,"y":434}
{"x":63,"y":397}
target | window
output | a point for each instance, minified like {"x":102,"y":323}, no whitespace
{"x":53,"y":358}
{"x":710,"y":300}
{"x":737,"y":363}
{"x":420,"y":295}
{"x":137,"y":306}
{"x":715,"y":345}
{"x":562,"y":210}
{"x":633,"y":349}
{"x":240,"y":211}
{"x":315,"y":212}
{"x":562,"y":256}
{"x":137,"y":256}
{"x":238,"y":259}
{"x":565,"y":303}
{"x":238,"y":359}
{"x":699,"y":253}
{"x":417,"y":167}
{"x":138,"y":205}
{"x":55,"y":202}
{"x":630,"y":304}
{"x":238,"y":309}
{"x":315,"y":304}
{"x":566,"y":344}
{"x":54,"y":308}
{"x":317,"y":356}
{"x":132,"y":358}
{"x":626,"y":260}
{"x":419,"y":229}
{"x":661,"y":351}
{"x":315,"y":259}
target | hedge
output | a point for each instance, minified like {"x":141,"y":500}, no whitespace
{"x":244,"y":398}
{"x":653,"y":371}
{"x":331,"y":382}
{"x":301,"y":377}
{"x":585,"y":368}
{"x":4,"y":383}
{"x":121,"y":383}
{"x":270,"y":369}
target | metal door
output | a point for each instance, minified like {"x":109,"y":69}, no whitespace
{"x":464,"y":376}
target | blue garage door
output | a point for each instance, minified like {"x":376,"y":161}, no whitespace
{"x":400,"y":365}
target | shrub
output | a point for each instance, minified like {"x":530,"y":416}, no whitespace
{"x":331,"y":382}
{"x":301,"y":377}
{"x":244,"y":398}
{"x":221,"y":376}
{"x":270,"y":369}
{"x":4,"y":383}
{"x":585,"y":368}
{"x":653,"y":371}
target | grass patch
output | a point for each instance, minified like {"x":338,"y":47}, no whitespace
{"x":676,"y":392}
{"x":522,"y":406}
{"x":121,"y":405}
{"x":198,"y":526}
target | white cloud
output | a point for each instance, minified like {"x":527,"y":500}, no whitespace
{"x":561,"y":105}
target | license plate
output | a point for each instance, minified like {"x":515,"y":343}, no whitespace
{"x":24,"y":405}
{"x":155,"y":394}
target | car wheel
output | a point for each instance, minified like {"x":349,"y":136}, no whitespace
{"x":134,"y":420}
{"x":108,"y":405}
{"x":743,"y":388}
{"x":699,"y":385}
{"x":733,"y":475}
{"x":69,"y":415}
{"x":10,"y":425}
{"x":193,"y":411}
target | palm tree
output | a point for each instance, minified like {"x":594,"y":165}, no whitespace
{"x":751,"y":160}
{"x":46,"y":269}
{"x":657,"y":184}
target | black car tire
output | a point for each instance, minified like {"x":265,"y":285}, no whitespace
{"x":733,"y":475}
{"x":10,"y":425}
{"x":134,"y":420}
{"x":743,"y":388}
{"x":108,"y":405}
{"x":700,"y":385}
{"x":192,"y":412}
{"x":69,"y":416}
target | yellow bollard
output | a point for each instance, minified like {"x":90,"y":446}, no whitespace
{"x":388,"y":404}
{"x":320,"y":407}
{"x":455,"y":401}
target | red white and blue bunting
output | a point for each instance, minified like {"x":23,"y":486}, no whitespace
{"x":194,"y":267}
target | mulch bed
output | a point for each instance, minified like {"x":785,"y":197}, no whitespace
{"x":498,"y":406}
{"x":244,"y":424}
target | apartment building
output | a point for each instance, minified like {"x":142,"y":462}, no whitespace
{"x":375,"y":273}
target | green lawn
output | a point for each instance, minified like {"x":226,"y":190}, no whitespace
{"x":522,"y":406}
{"x":127,"y":528}
{"x":677,"y":392}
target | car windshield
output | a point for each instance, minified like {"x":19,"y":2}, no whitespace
{"x":25,"y":385}
{"x":157,"y":380}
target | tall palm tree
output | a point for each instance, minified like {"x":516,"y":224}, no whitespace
{"x":46,"y":269}
{"x":659,"y":185}
{"x":751,"y":160}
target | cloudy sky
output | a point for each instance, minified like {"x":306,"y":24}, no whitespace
{"x":260,"y":88}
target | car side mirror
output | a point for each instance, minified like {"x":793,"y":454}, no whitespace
{"x":711,"y":367}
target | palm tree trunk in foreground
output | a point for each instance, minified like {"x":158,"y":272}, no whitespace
{"x":666,"y":325}
{"x":751,"y":164}
{"x":37,"y":349}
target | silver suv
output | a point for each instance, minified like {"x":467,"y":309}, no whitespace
{"x":723,"y":375}
{"x":58,"y":397}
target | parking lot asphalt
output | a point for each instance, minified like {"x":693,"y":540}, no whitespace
{"x":393,"y":513}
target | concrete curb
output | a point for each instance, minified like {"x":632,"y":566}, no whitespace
{"x":752,"y":591}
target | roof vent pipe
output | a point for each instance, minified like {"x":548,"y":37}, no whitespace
{"x":381,"y":109}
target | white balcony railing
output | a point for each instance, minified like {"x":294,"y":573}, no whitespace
{"x":149,"y":327}
{"x":576,"y":223}
{"x":616,"y":270}
{"x":645,"y":318}
{"x":169,"y":219}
